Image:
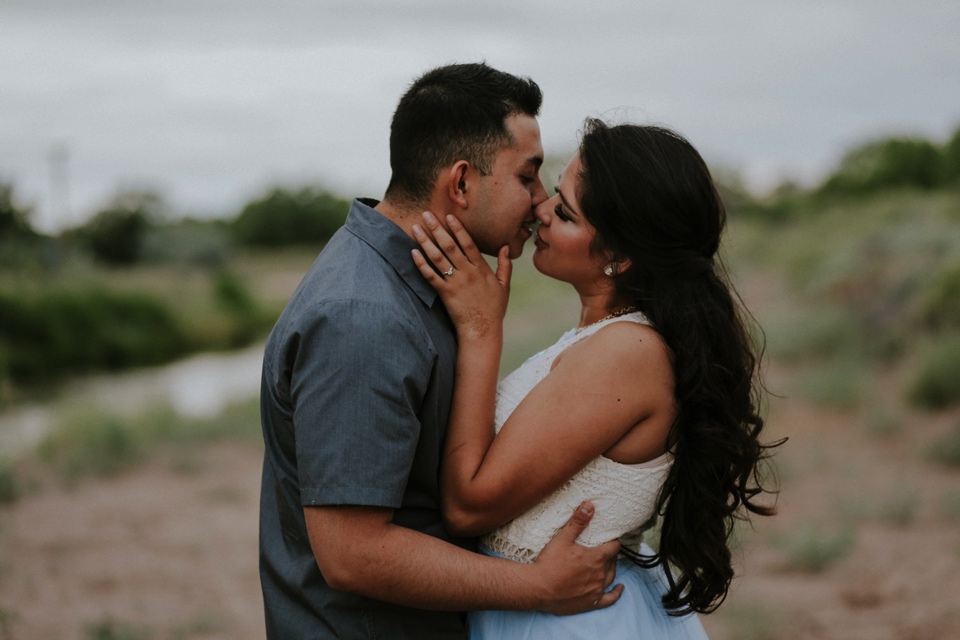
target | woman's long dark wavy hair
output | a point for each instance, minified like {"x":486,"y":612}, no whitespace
{"x":650,"y":197}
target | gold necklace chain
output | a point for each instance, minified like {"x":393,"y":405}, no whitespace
{"x":615,"y":314}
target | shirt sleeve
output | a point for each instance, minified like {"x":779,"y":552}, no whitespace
{"x":357,"y":382}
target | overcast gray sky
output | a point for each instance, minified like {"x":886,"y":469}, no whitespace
{"x":208,"y":102}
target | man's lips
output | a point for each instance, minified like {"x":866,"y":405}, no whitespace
{"x":538,"y":241}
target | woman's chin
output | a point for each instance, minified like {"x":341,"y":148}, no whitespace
{"x":539,"y":263}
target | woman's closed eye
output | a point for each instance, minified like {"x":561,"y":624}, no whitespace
{"x":558,"y":210}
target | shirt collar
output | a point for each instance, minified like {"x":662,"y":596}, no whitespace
{"x":390,"y":241}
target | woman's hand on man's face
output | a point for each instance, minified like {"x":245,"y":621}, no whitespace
{"x":475,"y":296}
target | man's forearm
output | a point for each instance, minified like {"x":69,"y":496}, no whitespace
{"x":360,"y":551}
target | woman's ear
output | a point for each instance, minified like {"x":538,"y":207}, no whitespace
{"x":457,"y":183}
{"x":616,"y":266}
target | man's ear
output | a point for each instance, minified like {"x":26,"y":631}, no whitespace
{"x":457,"y":182}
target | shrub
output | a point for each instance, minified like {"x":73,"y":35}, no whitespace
{"x":817,"y":334}
{"x":942,"y":306}
{"x":285,"y":217}
{"x":946,"y":449}
{"x":115,"y":236}
{"x":93,"y":444}
{"x":244,"y":319}
{"x":899,"y":505}
{"x":951,"y":160}
{"x":14,"y":218}
{"x":205,"y":244}
{"x":894,"y":162}
{"x":9,"y":484}
{"x":937,"y":382}
{"x":812,"y":550}
{"x":838,"y":383}
{"x":58,"y":331}
{"x":950,"y":505}
{"x":109,"y":629}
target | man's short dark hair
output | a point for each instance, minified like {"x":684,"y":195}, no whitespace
{"x":455,"y":112}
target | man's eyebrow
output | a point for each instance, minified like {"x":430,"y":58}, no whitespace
{"x":536,"y":161}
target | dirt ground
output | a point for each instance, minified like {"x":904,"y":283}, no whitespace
{"x":161,"y":552}
{"x":174,"y":553}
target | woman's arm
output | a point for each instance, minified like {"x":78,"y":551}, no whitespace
{"x":615,"y":382}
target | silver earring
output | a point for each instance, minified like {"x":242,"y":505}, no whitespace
{"x":608,"y":270}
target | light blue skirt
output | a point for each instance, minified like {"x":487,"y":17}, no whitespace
{"x":639,"y":613}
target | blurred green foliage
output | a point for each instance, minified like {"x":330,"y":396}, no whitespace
{"x":115,"y":235}
{"x":285,"y":216}
{"x":937,"y":381}
{"x":811,"y":549}
{"x":48,"y":332}
{"x":874,"y":167}
{"x":872,"y":279}
{"x":10,"y":487}
{"x":946,"y":450}
{"x":941,"y":307}
{"x":92,"y":442}
{"x":896,"y":162}
{"x":57,"y":331}
{"x":14,"y":217}
{"x":96,"y":445}
{"x":109,"y":629}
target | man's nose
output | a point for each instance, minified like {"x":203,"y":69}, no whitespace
{"x":542,"y":212}
{"x":539,"y":193}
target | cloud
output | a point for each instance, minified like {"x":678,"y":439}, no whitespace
{"x":212,"y":100}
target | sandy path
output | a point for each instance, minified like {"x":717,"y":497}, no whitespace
{"x":158,"y":548}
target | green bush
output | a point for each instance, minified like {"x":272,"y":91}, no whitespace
{"x":192,"y":242}
{"x":951,"y":160}
{"x":946,"y":449}
{"x":55,"y":332}
{"x":894,"y":162}
{"x":820,"y":334}
{"x":950,"y":505}
{"x":93,"y":444}
{"x":937,"y":382}
{"x":942,"y":305}
{"x":115,"y":235}
{"x":109,"y":629}
{"x":285,"y":217}
{"x":10,"y":489}
{"x":839,"y":383}
{"x":812,"y":550}
{"x":231,"y":295}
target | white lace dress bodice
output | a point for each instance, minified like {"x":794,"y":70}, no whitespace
{"x":624,"y":495}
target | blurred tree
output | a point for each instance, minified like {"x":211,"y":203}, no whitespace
{"x":951,"y":160}
{"x":14,"y":218}
{"x":305,"y":216}
{"x":894,"y":162}
{"x":115,"y":234}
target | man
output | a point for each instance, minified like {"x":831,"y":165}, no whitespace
{"x":357,"y":384}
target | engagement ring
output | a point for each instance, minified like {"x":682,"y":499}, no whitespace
{"x":448,"y":272}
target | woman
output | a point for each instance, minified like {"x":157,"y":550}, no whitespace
{"x":649,"y":406}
